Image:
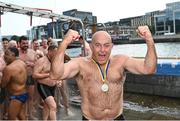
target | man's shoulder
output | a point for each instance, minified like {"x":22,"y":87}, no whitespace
{"x":43,"y":61}
{"x":16,"y":64}
{"x":121,"y":56}
{"x":81,"y":59}
{"x":7,"y":69}
{"x":21,"y":62}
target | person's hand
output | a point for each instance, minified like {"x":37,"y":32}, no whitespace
{"x":144,"y":32}
{"x":71,"y":36}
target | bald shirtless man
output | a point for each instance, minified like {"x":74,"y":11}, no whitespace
{"x":46,"y":86}
{"x":100,"y":78}
{"x":14,"y":79}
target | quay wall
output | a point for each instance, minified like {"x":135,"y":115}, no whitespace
{"x":161,"y":85}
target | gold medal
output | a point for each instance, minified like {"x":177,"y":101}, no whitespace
{"x":105,"y":87}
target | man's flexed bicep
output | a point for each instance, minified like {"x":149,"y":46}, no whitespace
{"x":57,"y":65}
{"x":71,"y":69}
{"x":134,"y":65}
{"x":139,"y":66}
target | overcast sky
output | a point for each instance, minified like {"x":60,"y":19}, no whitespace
{"x":105,"y":10}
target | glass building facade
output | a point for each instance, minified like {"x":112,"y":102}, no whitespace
{"x":169,"y":21}
{"x":160,"y":24}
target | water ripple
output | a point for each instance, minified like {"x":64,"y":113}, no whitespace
{"x":172,"y":112}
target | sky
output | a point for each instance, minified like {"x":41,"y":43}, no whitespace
{"x":105,"y":10}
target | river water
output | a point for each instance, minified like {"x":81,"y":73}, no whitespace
{"x":140,"y":106}
{"x":139,"y":50}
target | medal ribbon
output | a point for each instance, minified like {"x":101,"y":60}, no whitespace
{"x":103,"y":74}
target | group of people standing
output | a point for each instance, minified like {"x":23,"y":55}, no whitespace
{"x":25,"y":82}
{"x":100,"y":77}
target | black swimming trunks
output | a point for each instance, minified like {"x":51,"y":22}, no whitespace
{"x":119,"y":118}
{"x":45,"y":90}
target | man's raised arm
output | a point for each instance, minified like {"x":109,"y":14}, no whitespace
{"x":147,"y":66}
{"x":150,"y":62}
{"x":57,"y":65}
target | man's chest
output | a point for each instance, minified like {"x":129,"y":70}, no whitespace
{"x":46,"y":67}
{"x":27,"y":57}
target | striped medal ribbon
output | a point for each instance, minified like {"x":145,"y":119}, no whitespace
{"x":105,"y":86}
